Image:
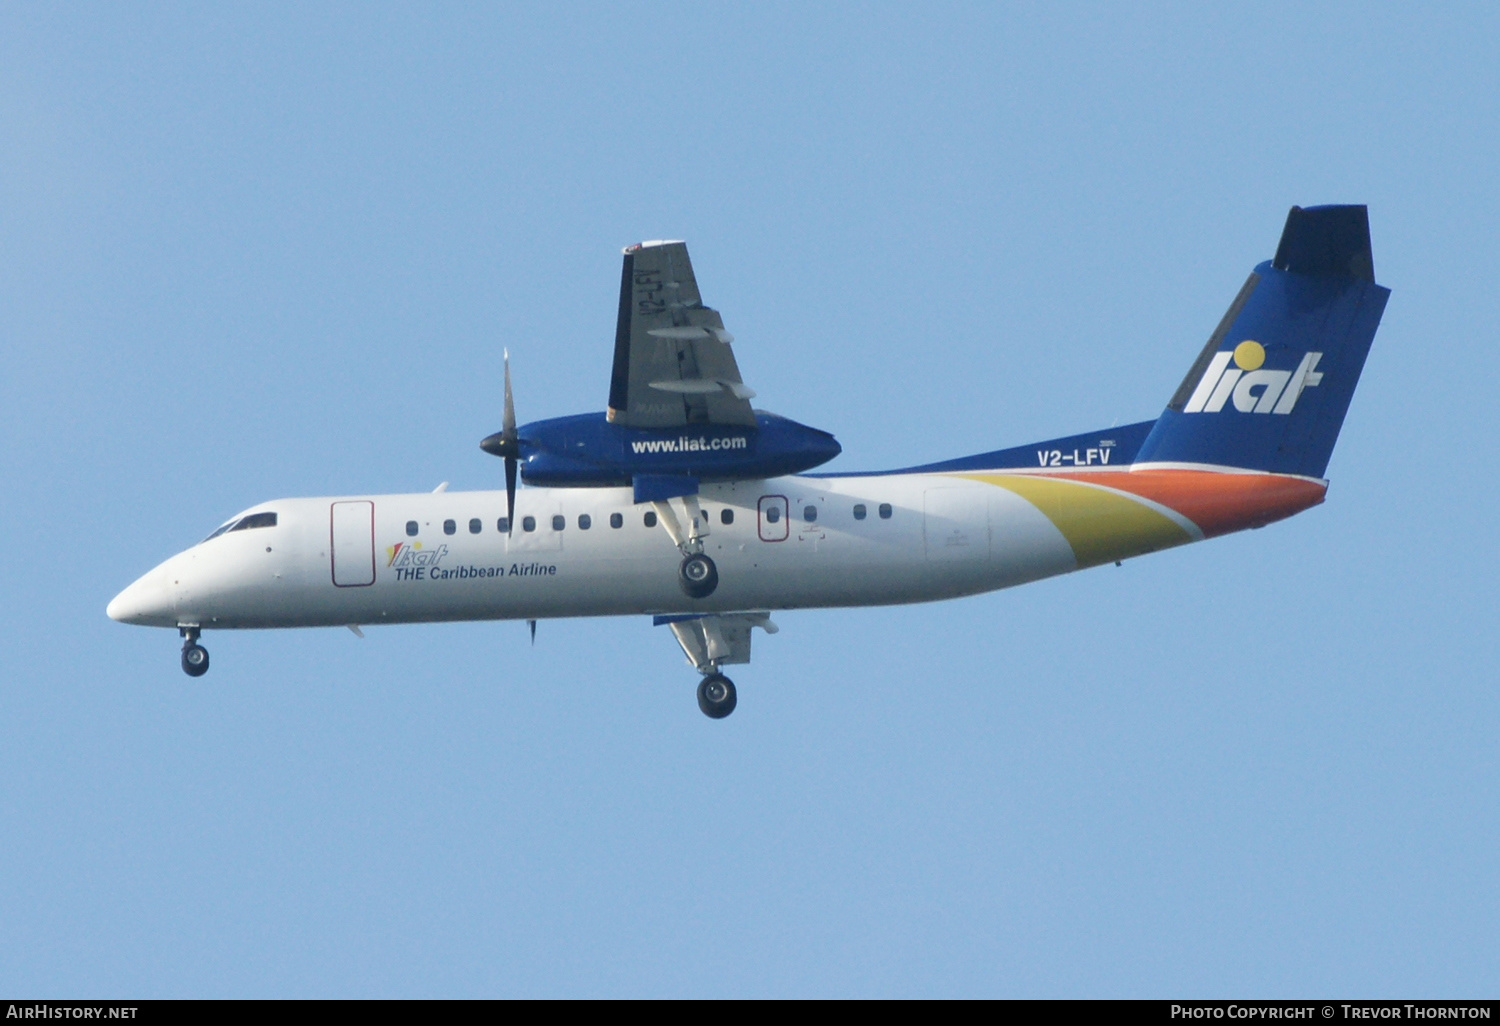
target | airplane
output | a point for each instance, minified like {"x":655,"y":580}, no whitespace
{"x":683,"y":503}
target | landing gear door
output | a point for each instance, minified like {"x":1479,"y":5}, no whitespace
{"x":774,"y":526}
{"x":352,"y":526}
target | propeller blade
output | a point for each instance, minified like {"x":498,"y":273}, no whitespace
{"x":507,"y":443}
{"x":508,"y":425}
{"x":510,"y":495}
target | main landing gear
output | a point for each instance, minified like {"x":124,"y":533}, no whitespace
{"x":194,"y":655}
{"x":697,"y":574}
{"x":716,"y":696}
{"x":711,"y":641}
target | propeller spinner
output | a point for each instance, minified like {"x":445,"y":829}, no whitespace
{"x":507,"y":443}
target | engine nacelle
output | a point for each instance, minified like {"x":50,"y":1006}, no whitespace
{"x":586,"y":449}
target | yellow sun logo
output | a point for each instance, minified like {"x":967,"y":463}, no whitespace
{"x":1249,"y":355}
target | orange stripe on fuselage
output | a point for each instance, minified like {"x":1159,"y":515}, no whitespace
{"x":1217,"y":502}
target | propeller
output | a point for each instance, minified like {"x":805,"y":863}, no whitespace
{"x":506,"y":443}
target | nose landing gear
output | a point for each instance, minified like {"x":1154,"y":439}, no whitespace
{"x":194,"y":655}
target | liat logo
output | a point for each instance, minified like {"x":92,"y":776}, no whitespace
{"x":404,"y":556}
{"x":1253,"y":389}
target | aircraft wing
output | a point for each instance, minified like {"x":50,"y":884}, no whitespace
{"x":673,"y":365}
{"x":716,"y":639}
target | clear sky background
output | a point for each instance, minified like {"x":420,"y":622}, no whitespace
{"x":278,"y":252}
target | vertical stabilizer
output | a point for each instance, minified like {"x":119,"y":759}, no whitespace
{"x":1270,"y":390}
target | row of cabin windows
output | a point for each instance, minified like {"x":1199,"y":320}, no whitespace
{"x":559,"y":522}
{"x":617,"y":520}
{"x":810,"y":512}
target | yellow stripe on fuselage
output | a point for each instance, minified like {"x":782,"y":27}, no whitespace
{"x":1100,"y":525}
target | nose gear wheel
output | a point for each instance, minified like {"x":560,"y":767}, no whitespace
{"x":194,"y":655}
{"x":194,"y":660}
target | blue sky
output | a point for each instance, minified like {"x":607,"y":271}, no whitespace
{"x":277,"y":251}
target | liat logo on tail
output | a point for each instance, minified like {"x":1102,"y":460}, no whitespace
{"x":1253,"y":389}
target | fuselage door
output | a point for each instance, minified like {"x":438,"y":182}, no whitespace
{"x":774,"y":526}
{"x":956,"y":524}
{"x":352,"y":551}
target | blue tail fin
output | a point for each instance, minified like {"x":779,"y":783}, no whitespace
{"x":1270,"y":390}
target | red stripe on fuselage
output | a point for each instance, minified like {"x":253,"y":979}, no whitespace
{"x":1217,"y":502}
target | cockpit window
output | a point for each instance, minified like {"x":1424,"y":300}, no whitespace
{"x":245,"y":524}
{"x":255,"y":520}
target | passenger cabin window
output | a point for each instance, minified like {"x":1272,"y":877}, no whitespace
{"x":585,"y":521}
{"x":726,"y":517}
{"x":475,"y":526}
{"x":885,"y":511}
{"x":773,"y":514}
{"x":255,"y":520}
{"x":859,"y":511}
{"x":616,"y":520}
{"x":411,"y":528}
{"x":503,"y":525}
{"x":449,"y":527}
{"x":559,"y":522}
{"x":809,"y":513}
{"x":650,"y":519}
{"x":528,"y":523}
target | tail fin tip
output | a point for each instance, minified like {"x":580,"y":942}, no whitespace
{"x":1327,"y":242}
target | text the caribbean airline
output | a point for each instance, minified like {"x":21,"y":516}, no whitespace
{"x":683,"y":503}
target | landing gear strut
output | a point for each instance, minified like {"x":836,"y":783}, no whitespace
{"x":716,"y":696}
{"x":697,"y":573}
{"x":194,"y":655}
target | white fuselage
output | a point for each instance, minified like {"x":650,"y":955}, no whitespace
{"x":354,"y":559}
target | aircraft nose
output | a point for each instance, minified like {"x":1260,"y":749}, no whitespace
{"x":148,"y":601}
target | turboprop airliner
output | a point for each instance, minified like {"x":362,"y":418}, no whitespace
{"x":684,"y":503}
